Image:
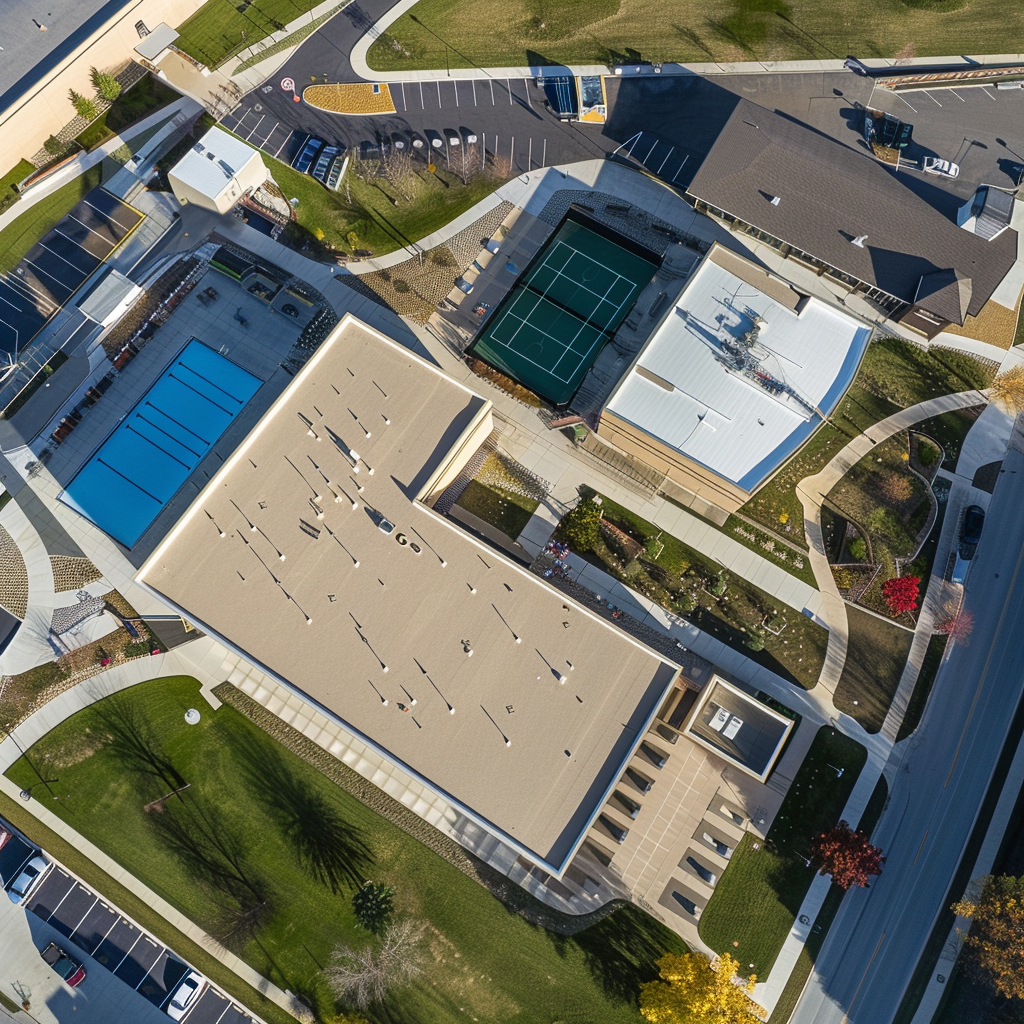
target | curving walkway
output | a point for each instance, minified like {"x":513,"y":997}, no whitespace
{"x":812,"y":491}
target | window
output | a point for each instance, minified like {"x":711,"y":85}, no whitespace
{"x":688,"y":905}
{"x":639,"y":780}
{"x":733,"y":816}
{"x":140,"y":27}
{"x":631,"y":807}
{"x":618,"y":833}
{"x":655,"y":756}
{"x":702,"y":872}
{"x":719,"y":847}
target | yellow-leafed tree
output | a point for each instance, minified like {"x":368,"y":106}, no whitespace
{"x":995,"y":943}
{"x":1008,"y":389}
{"x":692,"y":990}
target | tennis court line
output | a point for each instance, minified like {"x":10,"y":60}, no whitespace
{"x":580,"y":284}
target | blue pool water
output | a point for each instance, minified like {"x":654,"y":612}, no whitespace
{"x":151,"y":453}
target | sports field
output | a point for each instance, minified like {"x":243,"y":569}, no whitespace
{"x":570,"y":301}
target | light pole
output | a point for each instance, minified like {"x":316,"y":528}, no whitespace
{"x":838,"y":771}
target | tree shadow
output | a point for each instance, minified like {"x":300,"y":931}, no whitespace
{"x":134,"y":744}
{"x":621,"y":951}
{"x":330,"y":848}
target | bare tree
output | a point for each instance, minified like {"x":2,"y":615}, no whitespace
{"x":1008,"y":389}
{"x":906,"y":54}
{"x":367,"y":975}
{"x":396,"y":166}
{"x":464,"y":161}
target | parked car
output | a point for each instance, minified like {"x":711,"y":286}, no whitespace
{"x":323,"y":163}
{"x":70,"y":970}
{"x":944,"y":168}
{"x":307,"y":154}
{"x":186,"y":994}
{"x":970,"y":531}
{"x":337,"y":171}
{"x":31,"y":875}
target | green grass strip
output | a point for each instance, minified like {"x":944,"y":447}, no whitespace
{"x":290,"y":40}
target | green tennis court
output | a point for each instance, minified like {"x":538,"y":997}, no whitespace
{"x":571,"y":300}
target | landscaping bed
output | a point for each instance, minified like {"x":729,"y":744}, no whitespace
{"x":148,"y":94}
{"x":759,"y":895}
{"x":694,"y":586}
{"x":875,"y":657}
{"x":497,"y":496}
{"x":266,"y":805}
{"x":891,"y":507}
{"x":893,"y":375}
{"x":949,"y":430}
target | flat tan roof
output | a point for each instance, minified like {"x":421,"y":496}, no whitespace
{"x":568,"y":741}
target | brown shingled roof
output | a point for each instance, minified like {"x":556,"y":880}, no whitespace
{"x":829,"y":194}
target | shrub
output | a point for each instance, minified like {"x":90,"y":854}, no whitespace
{"x":373,"y":905}
{"x":927,"y":453}
{"x":897,"y":487}
{"x":54,"y":146}
{"x":107,"y":86}
{"x":84,"y":106}
{"x":901,"y":593}
{"x":858,"y":549}
{"x":579,"y":526}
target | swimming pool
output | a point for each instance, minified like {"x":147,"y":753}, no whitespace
{"x":152,"y":451}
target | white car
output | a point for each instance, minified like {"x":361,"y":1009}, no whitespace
{"x":944,"y":168}
{"x":192,"y":986}
{"x":30,"y":876}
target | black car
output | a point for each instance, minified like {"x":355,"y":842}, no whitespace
{"x":970,"y":532}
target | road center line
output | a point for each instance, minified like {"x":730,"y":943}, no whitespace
{"x":846,"y":1016}
{"x":921,"y":847}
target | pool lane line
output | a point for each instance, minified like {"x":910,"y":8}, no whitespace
{"x":129,"y":480}
{"x":198,"y":455}
{"x":148,"y":440}
{"x":156,"y":408}
{"x":234,"y":398}
{"x":201,"y":395}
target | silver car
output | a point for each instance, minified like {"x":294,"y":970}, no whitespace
{"x":31,"y":875}
{"x":192,"y":986}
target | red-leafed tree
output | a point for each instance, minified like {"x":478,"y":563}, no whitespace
{"x":847,"y":856}
{"x":958,"y":626}
{"x":900,"y":594}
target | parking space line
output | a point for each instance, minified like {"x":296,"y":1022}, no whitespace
{"x":490,"y":82}
{"x":472,"y":82}
{"x":931,"y":97}
{"x":984,"y":89}
{"x":681,"y":166}
{"x":957,"y":95}
{"x":86,"y":914}
{"x":544,"y":157}
{"x":908,"y":103}
{"x":155,"y":962}
{"x":512,"y":154}
{"x":61,"y":258}
{"x":405,"y":106}
{"x":283,"y":144}
{"x":422,"y":104}
{"x":439,"y":103}
{"x":223,"y":1013}
{"x":253,"y":132}
{"x":40,"y":271}
{"x":64,"y":873}
{"x":529,"y":157}
{"x":508,"y":85}
{"x":526,"y":87}
{"x":665,"y":161}
{"x":117,"y":921}
{"x":128,"y":953}
{"x":456,"y":84}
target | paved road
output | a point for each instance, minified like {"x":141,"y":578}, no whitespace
{"x":871,"y":951}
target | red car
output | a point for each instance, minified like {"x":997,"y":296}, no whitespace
{"x":70,"y":970}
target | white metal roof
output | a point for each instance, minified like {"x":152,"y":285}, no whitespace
{"x":109,"y":298}
{"x":721,"y":417}
{"x":213,"y":161}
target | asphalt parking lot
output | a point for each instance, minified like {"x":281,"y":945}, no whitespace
{"x":508,"y":116}
{"x":113,"y":942}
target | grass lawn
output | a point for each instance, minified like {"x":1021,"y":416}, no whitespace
{"x":826,"y":915}
{"x":923,"y":686}
{"x":759,"y":894}
{"x":675,"y":575}
{"x":19,"y":172}
{"x":893,"y":376}
{"x":503,"y":509}
{"x":503,"y":33}
{"x":219,"y":30}
{"x":253,"y":804}
{"x":147,"y":95}
{"x":949,"y":430}
{"x":875,"y":659}
{"x":372,"y":220}
{"x":18,"y":237}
